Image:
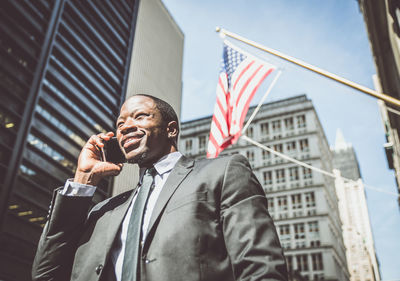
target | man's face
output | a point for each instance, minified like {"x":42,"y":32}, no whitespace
{"x":140,"y":131}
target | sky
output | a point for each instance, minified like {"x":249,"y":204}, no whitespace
{"x":329,"y":34}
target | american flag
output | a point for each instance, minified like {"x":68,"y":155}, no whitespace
{"x":239,"y":79}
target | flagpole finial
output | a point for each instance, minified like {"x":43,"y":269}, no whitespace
{"x":220,"y":31}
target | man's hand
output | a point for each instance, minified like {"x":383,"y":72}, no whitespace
{"x":90,"y":168}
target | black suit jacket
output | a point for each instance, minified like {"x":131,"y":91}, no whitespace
{"x":210,"y":223}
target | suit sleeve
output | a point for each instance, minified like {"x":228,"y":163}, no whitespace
{"x":58,"y":243}
{"x":250,"y":236}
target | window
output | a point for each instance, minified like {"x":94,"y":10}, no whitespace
{"x":250,"y":132}
{"x":280,"y":175}
{"x":7,"y":121}
{"x":55,"y":91}
{"x":302,"y":262}
{"x":266,"y":155}
{"x":294,"y":173}
{"x":37,"y":176}
{"x":313,"y":229}
{"x":299,"y":235}
{"x":297,"y":205}
{"x":264,"y":129}
{"x":299,"y":232}
{"x":310,"y":199}
{"x":278,"y":147}
{"x":304,"y":145}
{"x":250,"y":156}
{"x":289,"y":123}
{"x":60,"y":125}
{"x":301,"y":121}
{"x":276,"y":126}
{"x":291,"y":146}
{"x":307,"y":173}
{"x":202,"y":143}
{"x":296,"y":201}
{"x":188,"y":145}
{"x":284,"y":232}
{"x":317,"y":262}
{"x":270,"y":202}
{"x":282,"y":203}
{"x":267,"y":177}
{"x":284,"y":235}
{"x":49,"y":151}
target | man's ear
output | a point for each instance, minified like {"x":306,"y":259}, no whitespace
{"x":172,"y":130}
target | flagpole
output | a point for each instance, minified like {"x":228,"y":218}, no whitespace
{"x":315,"y":69}
{"x":261,"y":101}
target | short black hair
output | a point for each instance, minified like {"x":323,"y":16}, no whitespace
{"x":168,"y":114}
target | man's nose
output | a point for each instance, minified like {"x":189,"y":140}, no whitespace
{"x":128,"y":126}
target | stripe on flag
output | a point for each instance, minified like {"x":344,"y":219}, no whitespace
{"x":239,"y":79}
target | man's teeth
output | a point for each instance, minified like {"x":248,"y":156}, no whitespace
{"x":130,"y":140}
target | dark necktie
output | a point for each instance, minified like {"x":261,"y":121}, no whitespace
{"x":133,"y":238}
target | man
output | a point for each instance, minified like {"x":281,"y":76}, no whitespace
{"x":202,"y":220}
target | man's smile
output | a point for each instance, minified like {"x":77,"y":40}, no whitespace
{"x":131,"y":140}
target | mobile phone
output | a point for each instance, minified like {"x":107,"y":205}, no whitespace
{"x":111,"y":152}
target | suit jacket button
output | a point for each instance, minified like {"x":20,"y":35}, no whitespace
{"x":99,"y":268}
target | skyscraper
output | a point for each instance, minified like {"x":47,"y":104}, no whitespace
{"x":382,"y":21}
{"x":302,"y":203}
{"x":357,"y":234}
{"x":344,"y":158}
{"x":63,"y":78}
{"x":156,"y":67}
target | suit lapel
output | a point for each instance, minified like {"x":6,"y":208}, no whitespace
{"x":178,"y":174}
{"x":116,"y":216}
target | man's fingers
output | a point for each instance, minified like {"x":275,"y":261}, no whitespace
{"x":107,"y":169}
{"x":105,"y":136}
{"x":91,"y":169}
{"x":98,"y":140}
{"x":110,"y":134}
{"x":94,"y":141}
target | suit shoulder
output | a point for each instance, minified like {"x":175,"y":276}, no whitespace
{"x":223,"y":159}
{"x":221,"y":162}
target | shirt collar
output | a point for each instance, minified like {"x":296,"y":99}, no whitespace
{"x":164,"y":165}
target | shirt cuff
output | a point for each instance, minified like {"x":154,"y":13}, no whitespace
{"x":77,"y":189}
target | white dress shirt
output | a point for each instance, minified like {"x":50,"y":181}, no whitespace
{"x":163,"y":168}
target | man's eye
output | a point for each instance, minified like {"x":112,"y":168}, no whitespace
{"x":141,"y":115}
{"x":119,"y":124}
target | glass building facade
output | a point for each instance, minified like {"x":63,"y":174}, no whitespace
{"x":63,"y":77}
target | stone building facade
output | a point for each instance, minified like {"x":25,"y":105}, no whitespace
{"x":357,"y":233}
{"x":302,"y":203}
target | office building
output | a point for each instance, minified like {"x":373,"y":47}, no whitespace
{"x":344,"y":158}
{"x":357,"y":234}
{"x":382,"y":20}
{"x":63,"y":77}
{"x":156,"y":68}
{"x":302,"y":202}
